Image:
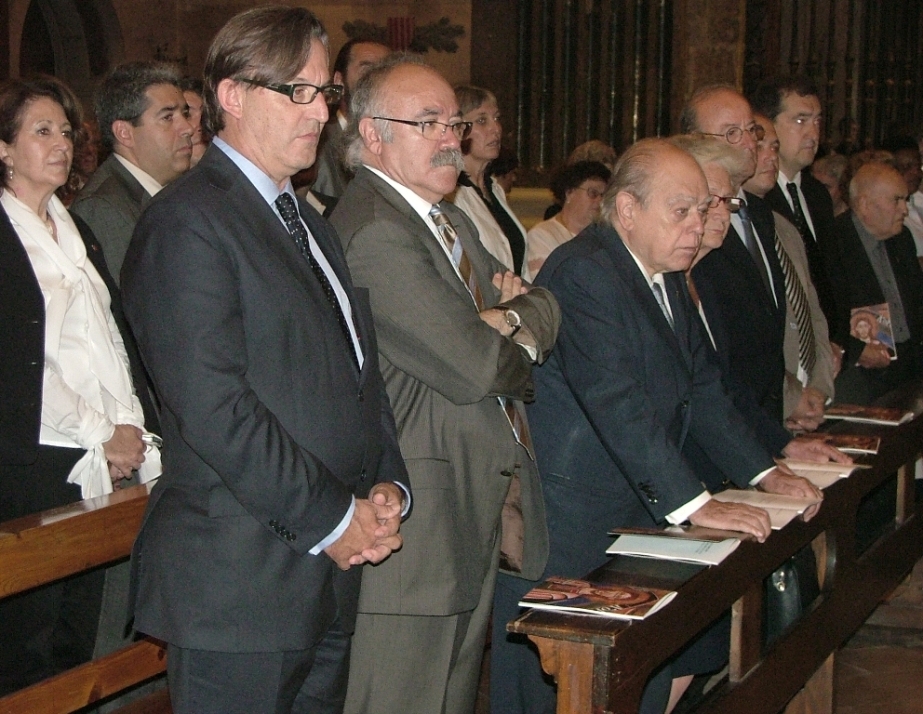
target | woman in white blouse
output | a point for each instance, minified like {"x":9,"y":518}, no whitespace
{"x":579,"y":189}
{"x":70,"y":423}
{"x":478,"y":195}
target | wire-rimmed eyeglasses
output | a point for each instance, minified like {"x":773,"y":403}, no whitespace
{"x":435,"y":130}
{"x":736,"y":133}
{"x":303,"y":93}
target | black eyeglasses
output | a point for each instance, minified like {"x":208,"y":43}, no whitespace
{"x":435,"y":130}
{"x":303,"y":93}
{"x":736,"y":133}
{"x":732,"y":202}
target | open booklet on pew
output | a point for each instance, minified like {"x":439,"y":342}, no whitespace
{"x":822,"y":475}
{"x":672,"y":544}
{"x":883,"y":416}
{"x":584,"y":597}
{"x":782,"y":510}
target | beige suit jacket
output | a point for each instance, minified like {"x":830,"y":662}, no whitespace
{"x":822,"y":376}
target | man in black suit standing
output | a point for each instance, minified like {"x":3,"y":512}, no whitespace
{"x":873,"y":261}
{"x":630,"y":380}
{"x":742,"y":285}
{"x":280,"y":450}
{"x":793,"y":105}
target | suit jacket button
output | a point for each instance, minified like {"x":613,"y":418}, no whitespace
{"x":363,"y":475}
{"x":273,"y":523}
{"x":361,"y":396}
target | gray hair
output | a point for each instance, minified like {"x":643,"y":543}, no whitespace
{"x":470,"y":98}
{"x":122,"y":94}
{"x":368,"y":100}
{"x":633,"y":173}
{"x":266,"y":44}
{"x":708,"y":150}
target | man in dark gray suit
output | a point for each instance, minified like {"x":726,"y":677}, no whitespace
{"x":280,"y":453}
{"x":352,"y":62}
{"x":144,"y":120}
{"x":629,"y":380}
{"x":457,"y":337}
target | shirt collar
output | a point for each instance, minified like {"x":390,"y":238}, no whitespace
{"x":420,"y":205}
{"x":148,"y":182}
{"x":784,"y":180}
{"x":261,"y":182}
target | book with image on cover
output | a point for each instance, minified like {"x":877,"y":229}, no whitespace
{"x":884,"y":416}
{"x":582,"y":597}
{"x":872,"y":325}
{"x":847,"y":443}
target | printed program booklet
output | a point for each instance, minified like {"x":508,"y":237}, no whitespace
{"x":884,"y":416}
{"x":667,"y":546}
{"x":822,"y":475}
{"x":782,"y":510}
{"x":582,"y":597}
{"x":847,"y":443}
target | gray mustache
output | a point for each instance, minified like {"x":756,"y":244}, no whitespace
{"x":448,"y":157}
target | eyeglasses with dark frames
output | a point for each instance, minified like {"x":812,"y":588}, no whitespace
{"x":592,"y":193}
{"x":303,"y":93}
{"x":736,"y":133}
{"x":435,"y":130}
{"x":733,"y":203}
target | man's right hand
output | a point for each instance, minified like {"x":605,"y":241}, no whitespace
{"x":365,"y":539}
{"x":733,"y":517}
{"x":124,"y":451}
{"x":874,"y":357}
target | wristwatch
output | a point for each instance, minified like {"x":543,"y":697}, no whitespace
{"x":513,"y":320}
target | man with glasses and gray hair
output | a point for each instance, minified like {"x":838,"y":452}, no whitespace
{"x":281,"y":466}
{"x":458,"y":335}
{"x":744,"y":277}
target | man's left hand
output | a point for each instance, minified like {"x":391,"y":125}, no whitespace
{"x":782,"y":481}
{"x":813,"y":450}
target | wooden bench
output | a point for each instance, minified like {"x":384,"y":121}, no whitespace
{"x":601,"y":666}
{"x":48,"y":546}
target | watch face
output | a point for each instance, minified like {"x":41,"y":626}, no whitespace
{"x":512,"y":318}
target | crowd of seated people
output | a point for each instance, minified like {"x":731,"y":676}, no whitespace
{"x":680,"y":318}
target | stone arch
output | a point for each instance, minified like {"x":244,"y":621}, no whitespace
{"x":76,"y":40}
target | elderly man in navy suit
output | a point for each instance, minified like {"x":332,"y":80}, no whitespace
{"x":280,"y":454}
{"x":629,"y":380}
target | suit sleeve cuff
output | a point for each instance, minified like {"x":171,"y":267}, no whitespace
{"x":407,"y":499}
{"x":335,"y":534}
{"x":760,"y":476}
{"x":681,"y":514}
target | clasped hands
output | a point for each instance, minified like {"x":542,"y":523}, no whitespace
{"x":124,"y":451}
{"x":372,"y":534}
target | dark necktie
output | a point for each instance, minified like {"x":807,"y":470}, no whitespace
{"x":753,"y":249}
{"x":512,"y":408}
{"x":798,"y":299}
{"x":658,"y":295}
{"x":289,"y":212}
{"x":801,"y":221}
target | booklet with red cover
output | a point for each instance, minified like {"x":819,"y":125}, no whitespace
{"x":623,"y":602}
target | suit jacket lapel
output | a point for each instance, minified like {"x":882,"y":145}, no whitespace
{"x":423,"y":233}
{"x":643,"y":296}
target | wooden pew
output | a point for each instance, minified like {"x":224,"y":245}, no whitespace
{"x":47,"y":546}
{"x":601,"y":666}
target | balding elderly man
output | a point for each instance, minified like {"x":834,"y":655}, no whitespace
{"x":873,"y":261}
{"x":457,"y":336}
{"x":629,"y":380}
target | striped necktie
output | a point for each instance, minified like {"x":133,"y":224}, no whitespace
{"x":798,"y":299}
